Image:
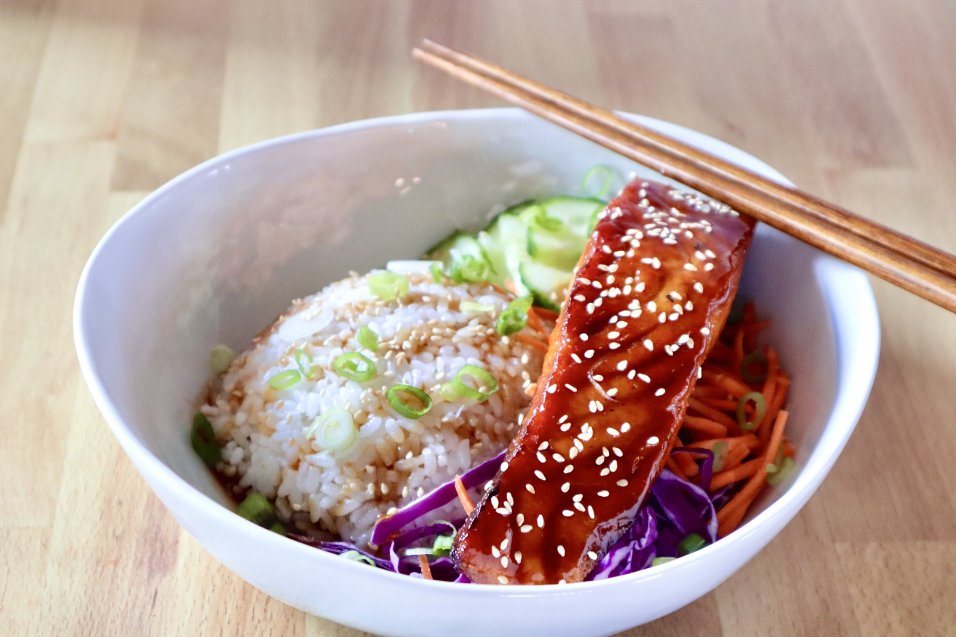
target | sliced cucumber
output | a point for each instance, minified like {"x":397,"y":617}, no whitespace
{"x":464,"y":258}
{"x":505,"y":242}
{"x":547,"y":285}
{"x":578,"y":214}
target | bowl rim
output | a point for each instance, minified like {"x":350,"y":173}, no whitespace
{"x":863,"y":365}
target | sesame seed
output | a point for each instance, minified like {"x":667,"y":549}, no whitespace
{"x":708,"y":267}
{"x":571,"y":387}
{"x":614,"y":432}
{"x":589,"y":353}
{"x":580,"y":297}
{"x":543,"y":446}
{"x":565,"y":487}
{"x":566,"y":426}
{"x":625,"y":427}
{"x":603,"y":493}
{"x":541,"y":458}
{"x":622,"y":483}
{"x":651,"y":306}
{"x":568,"y":469}
{"x":567,"y":513}
{"x":630,"y":374}
{"x":649,"y":344}
{"x":539,"y":475}
{"x":502,"y":579}
{"x":617,"y":452}
{"x":613,"y":346}
{"x":552,"y":388}
{"x":529,"y":488}
{"x":613,"y":466}
{"x":563,"y":418}
{"x":698,"y":287}
{"x":557,"y":457}
{"x":644,"y":377}
{"x":495,"y":551}
{"x":592,"y":555}
{"x":517,"y":557}
{"x":659,"y":392}
{"x":583,"y":336}
{"x":662,"y":317}
{"x":690,"y":266}
{"x":614,"y":334}
{"x":612,"y":392}
{"x":605,"y":471}
{"x":653,"y":440}
{"x":561,"y":550}
{"x":705,"y":330}
{"x":504,"y":561}
{"x":590,"y":512}
{"x":575,"y":358}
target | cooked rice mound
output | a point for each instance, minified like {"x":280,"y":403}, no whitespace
{"x":425,"y":339}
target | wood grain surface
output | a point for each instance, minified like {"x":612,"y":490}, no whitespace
{"x":101,"y":101}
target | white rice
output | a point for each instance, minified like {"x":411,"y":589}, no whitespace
{"x":425,"y":339}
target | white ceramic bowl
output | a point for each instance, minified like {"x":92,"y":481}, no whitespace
{"x":214,"y":255}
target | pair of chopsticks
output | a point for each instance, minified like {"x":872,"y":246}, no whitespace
{"x":910,"y":264}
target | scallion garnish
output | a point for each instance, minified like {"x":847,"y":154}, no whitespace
{"x":470,"y":307}
{"x":514,"y":316}
{"x":603,"y":175}
{"x":355,"y":556}
{"x":367,"y":338}
{"x":334,"y":430}
{"x":220,"y":357}
{"x":780,"y":472}
{"x":467,"y":268}
{"x":304,"y":361}
{"x":480,"y":386}
{"x":720,"y":454}
{"x":203,"y":440}
{"x":388,"y":286}
{"x":354,"y":366}
{"x":760,"y":410}
{"x":278,"y":527}
{"x":437,"y":274}
{"x":443,"y":545}
{"x":409,"y":401}
{"x":657,"y":561}
{"x":256,"y":508}
{"x":285,"y":380}
{"x":693,"y":542}
{"x":747,"y":364}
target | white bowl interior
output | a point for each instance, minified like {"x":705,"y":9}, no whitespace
{"x":216,"y":254}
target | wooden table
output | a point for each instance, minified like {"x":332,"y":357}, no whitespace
{"x":103,"y":100}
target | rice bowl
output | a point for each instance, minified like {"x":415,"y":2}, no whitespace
{"x":466,"y":163}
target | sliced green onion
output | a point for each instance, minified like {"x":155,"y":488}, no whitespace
{"x":514,"y":316}
{"x":760,"y":410}
{"x":480,"y":388}
{"x":367,"y":338}
{"x":720,"y":454}
{"x":467,"y":268}
{"x":437,"y":274}
{"x":203,"y":440}
{"x":220,"y":357}
{"x":751,"y":359}
{"x":304,"y":361}
{"x":354,"y":366}
{"x":402,"y":398}
{"x":278,"y":527}
{"x":418,"y":551}
{"x":256,"y":508}
{"x":657,"y":561}
{"x":603,"y":175}
{"x":285,"y":380}
{"x":470,"y":307}
{"x":443,"y":545}
{"x":334,"y":430}
{"x":693,"y":542}
{"x":355,"y":556}
{"x":785,"y":470}
{"x":388,"y":286}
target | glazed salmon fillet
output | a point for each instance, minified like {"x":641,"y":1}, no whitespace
{"x":649,"y":297}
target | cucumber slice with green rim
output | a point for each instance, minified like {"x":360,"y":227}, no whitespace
{"x":547,"y":285}
{"x":505,"y":243}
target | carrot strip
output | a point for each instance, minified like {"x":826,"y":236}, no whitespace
{"x":426,"y":567}
{"x":774,"y":408}
{"x":732,"y":386}
{"x":463,"y":496}
{"x":738,"y":473}
{"x":545,"y":313}
{"x":738,"y":348}
{"x":711,"y":413}
{"x":527,"y":339}
{"x":747,"y":441}
{"x":687,"y":465}
{"x":730,"y":516}
{"x":734,"y":456}
{"x":728,"y":405}
{"x":535,"y":322}
{"x":672,"y":465}
{"x":705,"y":426}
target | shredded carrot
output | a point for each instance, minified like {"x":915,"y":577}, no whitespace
{"x":713,"y":414}
{"x":426,"y":567}
{"x":738,"y":348}
{"x":672,"y":465}
{"x":734,"y":456}
{"x":738,"y":473}
{"x":687,"y":465}
{"x":545,"y":313}
{"x":536,"y":323}
{"x":527,"y":339}
{"x":731,"y":385}
{"x":730,"y":516}
{"x":705,"y":426}
{"x":463,"y":496}
{"x":747,"y":441}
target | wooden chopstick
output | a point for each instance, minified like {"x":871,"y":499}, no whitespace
{"x":910,"y":264}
